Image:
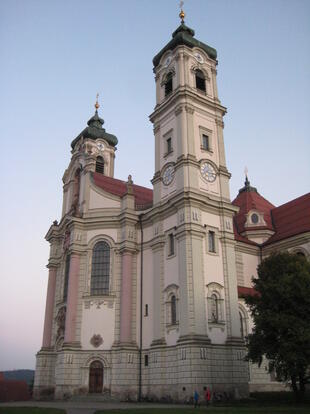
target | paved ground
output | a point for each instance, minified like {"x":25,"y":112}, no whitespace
{"x":85,"y":407}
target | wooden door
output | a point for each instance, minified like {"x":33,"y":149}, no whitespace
{"x":95,"y":377}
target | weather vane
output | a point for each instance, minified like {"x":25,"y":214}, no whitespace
{"x":182,"y":14}
{"x":97,"y":106}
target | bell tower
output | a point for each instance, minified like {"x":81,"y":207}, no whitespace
{"x":93,"y":151}
{"x":188,"y":119}
{"x":191,"y":181}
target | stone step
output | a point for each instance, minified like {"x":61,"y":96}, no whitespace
{"x":93,"y":398}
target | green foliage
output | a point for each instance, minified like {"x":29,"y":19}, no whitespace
{"x":281,"y":314}
{"x":30,"y":410}
{"x":214,"y":410}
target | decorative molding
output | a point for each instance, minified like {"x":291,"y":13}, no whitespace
{"x":98,"y":303}
{"x":219,"y":122}
{"x":60,"y":323}
{"x":189,"y":109}
{"x":156,"y":128}
{"x":178,"y":110}
{"x":96,"y":340}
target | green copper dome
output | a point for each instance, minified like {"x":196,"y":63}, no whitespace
{"x":95,"y":131}
{"x":184,"y":35}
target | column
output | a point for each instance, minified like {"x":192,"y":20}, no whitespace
{"x":49,"y":308}
{"x":126,"y":298}
{"x":72,"y":300}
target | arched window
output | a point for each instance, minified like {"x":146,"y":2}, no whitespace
{"x":200,"y":80}
{"x":100,"y":272}
{"x":214,"y":308}
{"x":168,"y":84}
{"x":301,"y":254}
{"x":173,"y":305}
{"x":100,"y":165}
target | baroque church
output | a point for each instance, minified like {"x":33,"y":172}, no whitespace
{"x":145,"y":286}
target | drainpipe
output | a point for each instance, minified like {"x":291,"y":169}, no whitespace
{"x":141,"y":309}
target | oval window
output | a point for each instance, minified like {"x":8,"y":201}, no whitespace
{"x":254,"y":218}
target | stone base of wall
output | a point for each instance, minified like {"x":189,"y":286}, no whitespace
{"x":172,"y":374}
{"x":44,"y":380}
{"x":268,"y":387}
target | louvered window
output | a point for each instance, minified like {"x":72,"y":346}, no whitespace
{"x":200,"y":80}
{"x":100,"y":165}
{"x":168,"y":84}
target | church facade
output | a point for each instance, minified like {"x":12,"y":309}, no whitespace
{"x":145,"y":286}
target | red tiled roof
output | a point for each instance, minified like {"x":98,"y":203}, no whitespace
{"x":243,"y":239}
{"x":244,"y":291}
{"x":143,"y":195}
{"x":291,"y":218}
{"x":14,"y":391}
{"x":251,"y":200}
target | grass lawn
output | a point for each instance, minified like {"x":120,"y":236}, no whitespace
{"x":214,"y":410}
{"x":31,"y":410}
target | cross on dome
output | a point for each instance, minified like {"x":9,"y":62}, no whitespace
{"x":182,"y":14}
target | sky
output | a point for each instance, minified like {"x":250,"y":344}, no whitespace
{"x":55,"y":57}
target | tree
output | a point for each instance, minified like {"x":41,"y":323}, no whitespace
{"x":281,"y":313}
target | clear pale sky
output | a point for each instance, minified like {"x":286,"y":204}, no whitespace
{"x":56,"y":55}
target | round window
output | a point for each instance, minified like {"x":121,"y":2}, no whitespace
{"x":254,"y":218}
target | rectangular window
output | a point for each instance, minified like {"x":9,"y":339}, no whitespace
{"x":169,"y":145}
{"x":205,"y":142}
{"x":171,"y":244}
{"x":146,"y":310}
{"x":211,"y":241}
{"x":146,"y":360}
{"x":66,"y":280}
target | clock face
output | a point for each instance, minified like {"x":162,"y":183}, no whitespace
{"x":168,"y":175}
{"x":100,"y":146}
{"x":199,"y":58}
{"x":167,"y":61}
{"x":208,"y":172}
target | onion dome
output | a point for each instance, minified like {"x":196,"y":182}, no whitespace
{"x":94,"y":131}
{"x":184,"y":35}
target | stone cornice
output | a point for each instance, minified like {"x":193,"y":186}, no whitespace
{"x":186,"y":96}
{"x":243,"y":247}
{"x":288,"y":242}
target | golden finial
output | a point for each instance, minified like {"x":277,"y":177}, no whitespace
{"x":182,"y":14}
{"x":97,"y":106}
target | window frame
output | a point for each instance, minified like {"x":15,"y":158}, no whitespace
{"x":215,"y":232}
{"x":202,"y":79}
{"x":171,"y":245}
{"x":172,"y":306}
{"x":168,"y":84}
{"x":100,"y":165}
{"x":103,"y":291}
{"x":169,"y":145}
{"x":208,"y":133}
{"x":215,"y":290}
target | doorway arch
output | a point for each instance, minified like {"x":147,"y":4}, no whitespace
{"x":96,"y":377}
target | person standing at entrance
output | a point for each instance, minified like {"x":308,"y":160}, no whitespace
{"x":196,"y":398}
{"x":207,"y":396}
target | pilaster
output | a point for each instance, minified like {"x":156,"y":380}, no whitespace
{"x":49,"y":308}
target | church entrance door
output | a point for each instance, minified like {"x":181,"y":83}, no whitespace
{"x":95,"y":377}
